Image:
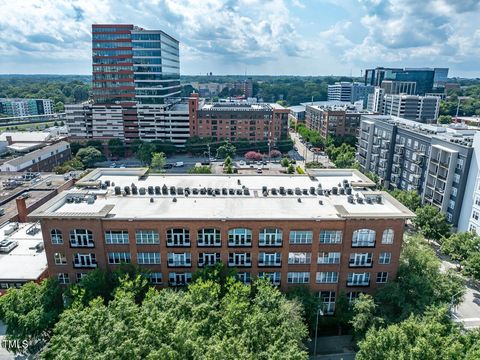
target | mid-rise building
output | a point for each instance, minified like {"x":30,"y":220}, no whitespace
{"x":326,"y":231}
{"x":26,"y":107}
{"x":332,"y":118}
{"x":167,"y":122}
{"x":432,"y":160}
{"x":399,"y":87}
{"x":412,"y":107}
{"x":134,"y":65}
{"x":349,"y":91}
{"x":238,"y":121}
{"x":423,"y":77}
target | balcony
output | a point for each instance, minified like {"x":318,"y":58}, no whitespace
{"x":360,"y":244}
{"x":269,"y":263}
{"x":179,"y":264}
{"x":80,"y":265}
{"x":358,"y":283}
{"x":360,"y":264}
{"x":238,"y":264}
{"x":74,"y":244}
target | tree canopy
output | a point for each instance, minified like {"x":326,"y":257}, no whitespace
{"x":411,"y":199}
{"x":431,"y":223}
{"x":89,"y":156}
{"x":237,"y":322}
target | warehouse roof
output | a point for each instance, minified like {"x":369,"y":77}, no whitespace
{"x":131,"y":194}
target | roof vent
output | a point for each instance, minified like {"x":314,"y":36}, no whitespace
{"x":113,"y":184}
{"x":174,"y":199}
{"x":239,"y":182}
{"x":320,"y":202}
{"x":265,"y":193}
{"x":379,"y":199}
{"x":151,"y":200}
{"x":299,"y":200}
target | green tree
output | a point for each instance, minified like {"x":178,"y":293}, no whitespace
{"x":158,"y":162}
{"x":444,"y":119}
{"x":204,"y":169}
{"x":145,"y":152}
{"x":80,"y":93}
{"x":229,"y":169}
{"x":167,"y":147}
{"x":228,"y":161}
{"x":472,"y":266}
{"x":419,"y":283}
{"x":430,"y":337}
{"x":225,"y":150}
{"x":230,"y":321}
{"x":364,"y":316}
{"x":431,"y":223}
{"x":70,"y":165}
{"x":89,"y":156}
{"x":285,"y":162}
{"x":30,"y":313}
{"x":409,"y":198}
{"x":460,"y":246}
{"x":290,"y":169}
{"x":116,"y":147}
{"x":97,"y":144}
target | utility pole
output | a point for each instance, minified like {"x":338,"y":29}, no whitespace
{"x":319,"y":312}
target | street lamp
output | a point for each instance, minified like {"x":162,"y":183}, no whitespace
{"x":450,"y":307}
{"x":319,"y":313}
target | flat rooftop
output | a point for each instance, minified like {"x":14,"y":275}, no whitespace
{"x":324,"y":194}
{"x":27,"y":261}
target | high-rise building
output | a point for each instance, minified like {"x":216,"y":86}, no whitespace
{"x":432,"y":160}
{"x":399,"y":87}
{"x":412,"y":107}
{"x":324,"y":231}
{"x":134,"y":65}
{"x":423,"y":77}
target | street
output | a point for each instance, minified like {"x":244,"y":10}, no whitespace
{"x":305,"y":155}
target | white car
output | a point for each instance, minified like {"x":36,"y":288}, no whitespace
{"x":179,"y":164}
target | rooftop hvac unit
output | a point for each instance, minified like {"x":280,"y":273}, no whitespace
{"x":173,"y":191}
{"x":180,"y":191}
{"x":368,"y":200}
{"x":239,"y":191}
{"x":209,"y":191}
{"x":379,"y":199}
{"x":334,"y":190}
{"x":290,"y":191}
{"x":351,"y":199}
{"x":320,"y":191}
{"x":264,"y":188}
{"x":104,"y":186}
{"x":231,"y":191}
{"x":90,"y":199}
{"x":127,"y":190}
{"x":360,"y":200}
{"x":150,"y":190}
{"x":164,"y":189}
{"x":348,"y":191}
{"x":342,"y":191}
{"x":217,"y":191}
{"x":246,"y":191}
{"x":203,"y":191}
{"x":158,"y":191}
{"x":282,"y":190}
{"x":7,"y":245}
{"x":195,"y":191}
{"x":107,"y":182}
{"x":305,"y":191}
{"x":10,"y":228}
{"x":224,"y":191}
{"x":274,"y":191}
{"x":298,"y":191}
{"x":312,"y":190}
{"x":69,"y":200}
{"x":142,"y":191}
{"x":134,"y":190}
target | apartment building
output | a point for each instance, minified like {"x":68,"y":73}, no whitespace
{"x":430,"y":159}
{"x":26,"y":107}
{"x":332,"y":118}
{"x":238,"y":121}
{"x":166,"y":122}
{"x":327,"y":231}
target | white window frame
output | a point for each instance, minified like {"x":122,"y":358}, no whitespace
{"x":388,"y":236}
{"x":179,"y":279}
{"x":298,"y":277}
{"x":358,"y":279}
{"x":180,"y":259}
{"x":81,"y":238}
{"x":240,"y":237}
{"x":269,"y":259}
{"x":147,"y":237}
{"x":209,"y":237}
{"x":178,"y":237}
{"x":155,"y":278}
{"x":326,"y":277}
{"x":363,"y":238}
{"x":239,"y":259}
{"x":360,"y":260}
{"x":208,"y":259}
{"x":385,"y":258}
{"x":300,"y":237}
{"x":382,"y":277}
{"x":56,"y":236}
{"x":331,"y":236}
{"x":60,"y":258}
{"x":116,"y":237}
{"x":270,"y":237}
{"x":148,"y":258}
{"x":115,"y":258}
{"x":244,"y":276}
{"x":274,"y":277}
{"x":299,"y":257}
{"x":330,"y":257}
{"x":63,"y":278}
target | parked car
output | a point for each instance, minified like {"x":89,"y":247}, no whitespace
{"x":259,"y":170}
{"x":2,"y":211}
{"x":179,"y":164}
{"x":168,"y":166}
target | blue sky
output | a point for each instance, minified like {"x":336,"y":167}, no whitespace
{"x":274,"y":37}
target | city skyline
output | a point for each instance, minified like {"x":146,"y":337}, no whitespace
{"x":298,"y":37}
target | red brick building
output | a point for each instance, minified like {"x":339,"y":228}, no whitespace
{"x":326,"y":231}
{"x":238,"y":121}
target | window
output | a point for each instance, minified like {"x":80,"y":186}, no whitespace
{"x":60,"y":259}
{"x":84,"y":261}
{"x":155,"y":278}
{"x":387,"y":237}
{"x":352,"y":296}
{"x":63,"y":278}
{"x":298,"y":277}
{"x":178,"y":237}
{"x":116,"y":237}
{"x":274,"y":277}
{"x":239,"y":259}
{"x":300,"y":237}
{"x":328,"y":258}
{"x":81,"y":238}
{"x":56,"y":237}
{"x":358,"y":279}
{"x":270,"y":237}
{"x":208,"y":259}
{"x":327,"y":277}
{"x":299,"y":258}
{"x":143,"y":237}
{"x":328,"y":302}
{"x":331,"y":236}
{"x":119,"y":257}
{"x":80,"y":276}
{"x":382,"y":277}
{"x":179,"y":279}
{"x":148,"y":258}
{"x":239,"y":237}
{"x":269,"y":259}
{"x":384,"y":258}
{"x":363,"y":238}
{"x":359,"y":260}
{"x":208,"y":237}
{"x":244,"y":277}
{"x":475,"y":215}
{"x":179,"y":259}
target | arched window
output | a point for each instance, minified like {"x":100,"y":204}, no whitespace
{"x":363,"y":238}
{"x":387,"y":237}
{"x":56,"y":236}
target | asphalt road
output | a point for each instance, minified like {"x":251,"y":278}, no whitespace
{"x":305,"y":155}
